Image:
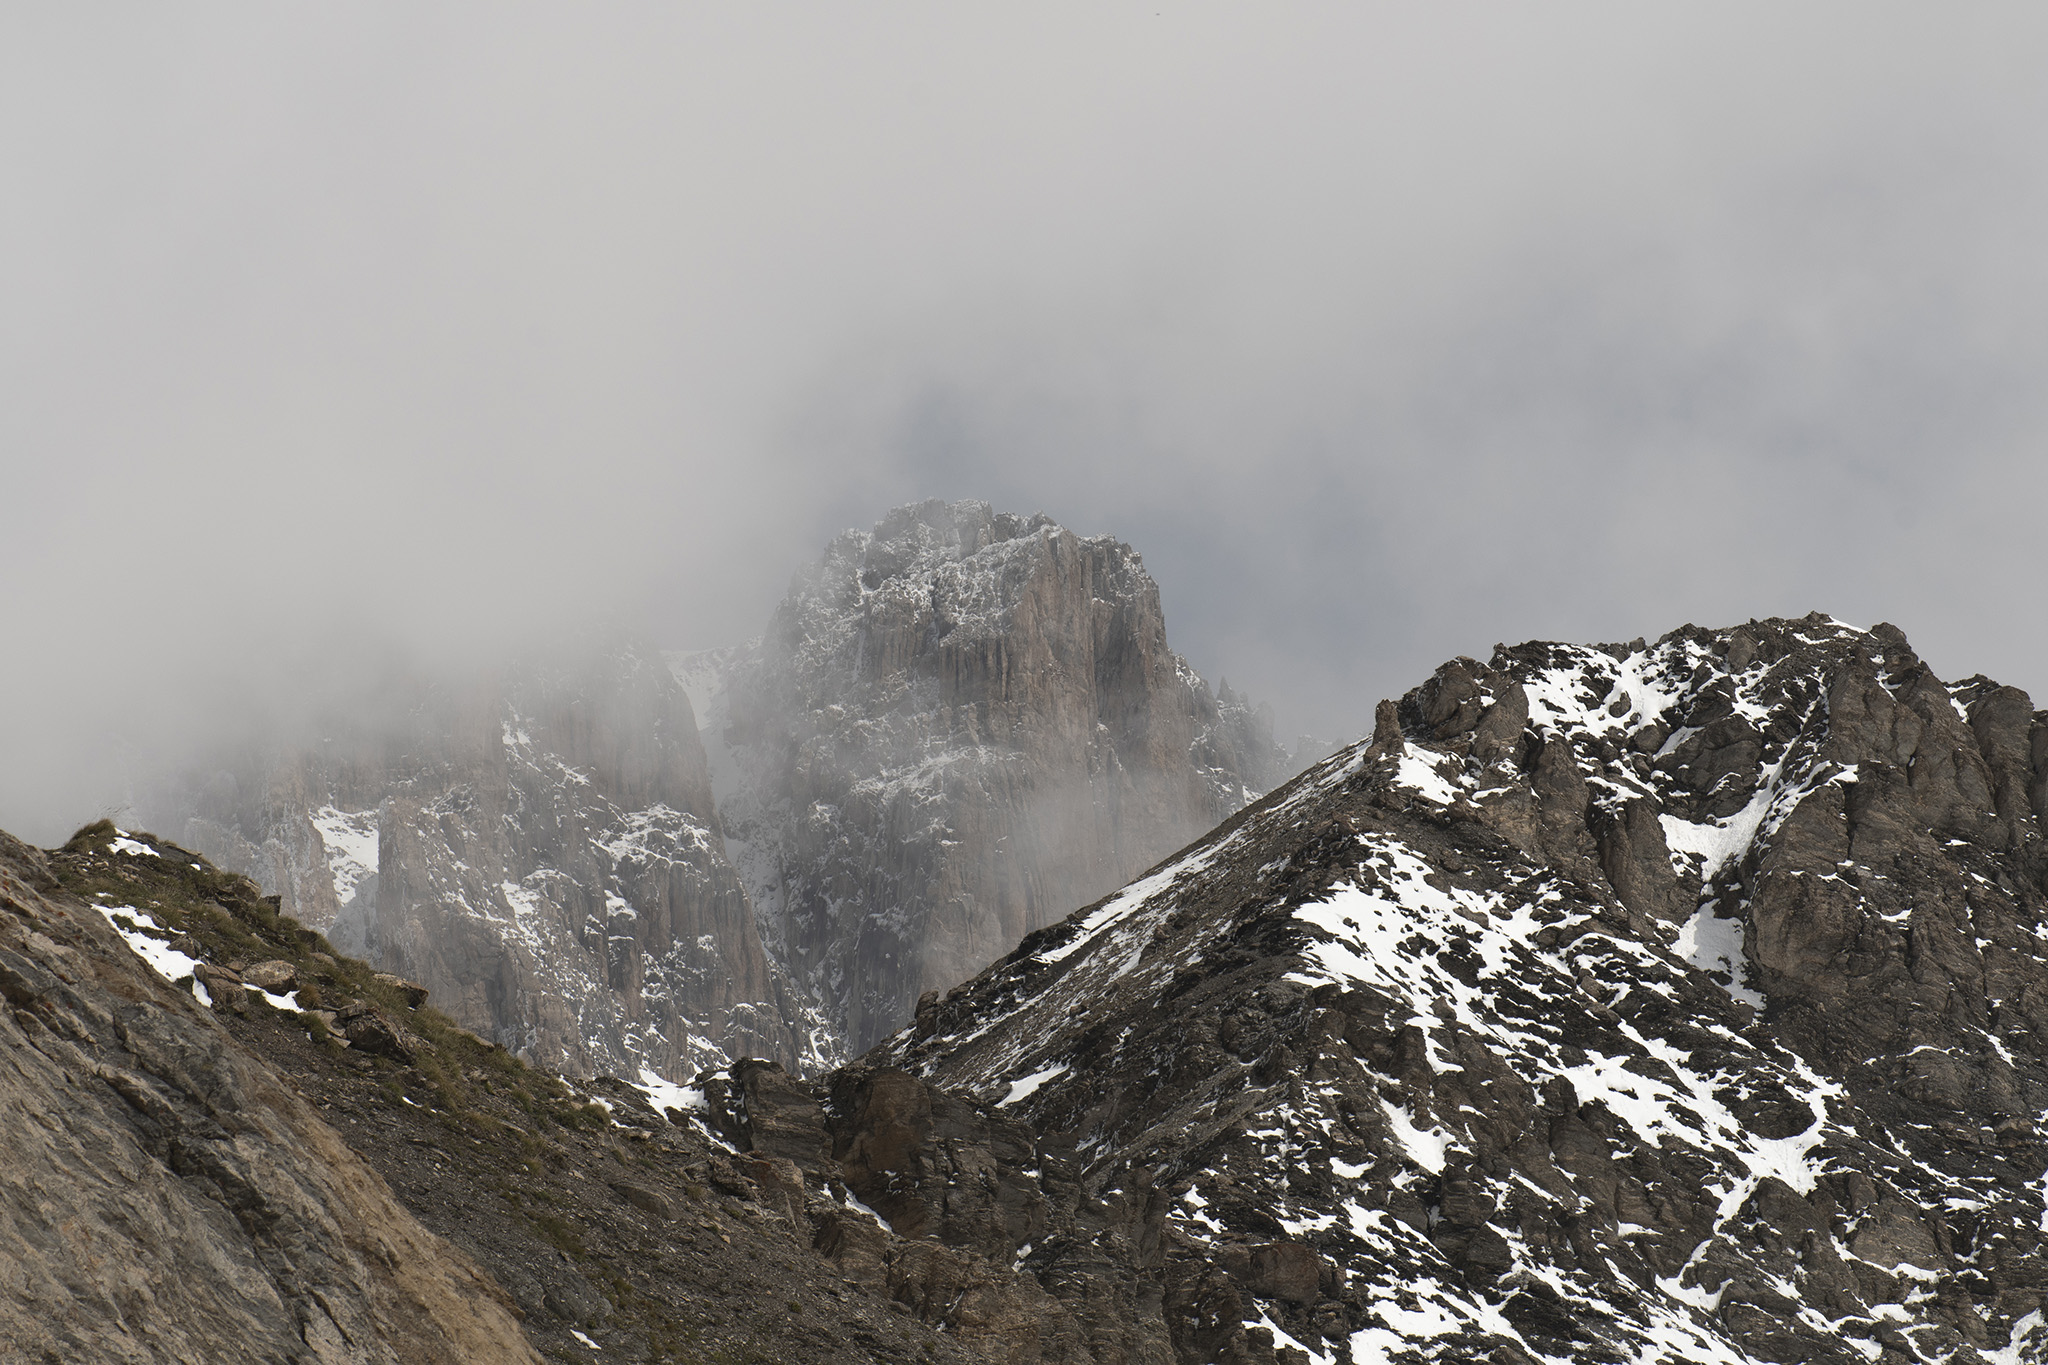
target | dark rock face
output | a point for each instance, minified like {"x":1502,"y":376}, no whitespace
{"x":1673,"y":1003}
{"x":541,"y":852}
{"x":959,"y":726}
{"x":961,"y":1191}
{"x":164,"y":1196}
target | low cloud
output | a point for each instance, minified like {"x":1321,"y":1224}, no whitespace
{"x":341,"y":339}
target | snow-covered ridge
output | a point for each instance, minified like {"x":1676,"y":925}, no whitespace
{"x":1579,"y":1015}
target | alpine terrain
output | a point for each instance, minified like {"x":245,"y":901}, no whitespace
{"x":1679,"y":1002}
{"x":959,"y":727}
{"x":1663,"y":1003}
{"x":538,"y":847}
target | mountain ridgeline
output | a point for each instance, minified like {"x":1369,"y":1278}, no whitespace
{"x":1682,"y":1002}
{"x":1663,"y":1003}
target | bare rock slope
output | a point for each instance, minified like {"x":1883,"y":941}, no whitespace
{"x":1660,"y":1003}
{"x":165,"y":1196}
{"x":638,"y":1221}
{"x":959,"y":726}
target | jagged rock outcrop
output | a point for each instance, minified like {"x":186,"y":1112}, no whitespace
{"x":539,"y":847}
{"x":1678,"y":1002}
{"x":166,"y":1197}
{"x":959,"y":726}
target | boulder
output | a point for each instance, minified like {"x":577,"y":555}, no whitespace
{"x":275,"y":977}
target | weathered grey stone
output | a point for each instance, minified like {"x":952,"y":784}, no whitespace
{"x":275,"y":977}
{"x":415,"y":994}
{"x":549,"y":865}
{"x":166,"y":1196}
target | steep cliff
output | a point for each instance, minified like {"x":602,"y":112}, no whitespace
{"x":959,"y":726}
{"x":539,"y":846}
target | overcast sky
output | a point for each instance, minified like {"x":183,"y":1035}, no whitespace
{"x":340,"y":332}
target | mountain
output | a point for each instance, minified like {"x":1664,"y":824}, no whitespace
{"x":538,"y":845}
{"x":1652,"y":1003}
{"x":959,"y":726}
{"x":1679,"y":1002}
{"x":227,"y":1142}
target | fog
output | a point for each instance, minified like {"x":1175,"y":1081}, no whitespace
{"x":334,"y":338}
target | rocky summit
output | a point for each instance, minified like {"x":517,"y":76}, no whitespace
{"x":959,"y":726}
{"x":1678,"y":1002}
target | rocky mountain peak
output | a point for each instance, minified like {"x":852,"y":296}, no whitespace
{"x":1662,"y":1002}
{"x":959,"y":725}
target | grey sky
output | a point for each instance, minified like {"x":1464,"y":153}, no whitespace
{"x":338,"y":332}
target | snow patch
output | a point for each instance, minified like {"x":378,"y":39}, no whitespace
{"x":170,"y":964}
{"x":1714,"y":945}
{"x":665,"y":1094}
{"x":1028,"y":1086}
{"x":350,"y":837}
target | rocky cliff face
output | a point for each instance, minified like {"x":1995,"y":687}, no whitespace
{"x":166,"y":1197}
{"x":959,"y":726}
{"x":540,"y":849}
{"x":1681,"y":1002}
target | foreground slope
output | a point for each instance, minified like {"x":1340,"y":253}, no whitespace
{"x":1682,"y":1002}
{"x":164,"y":1196}
{"x":227,"y":1142}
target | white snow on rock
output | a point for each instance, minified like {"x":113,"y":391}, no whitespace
{"x":1714,"y":945}
{"x":664,"y":1094}
{"x":1024,"y":1087}
{"x":144,"y":933}
{"x":351,"y":840}
{"x":1486,"y":970}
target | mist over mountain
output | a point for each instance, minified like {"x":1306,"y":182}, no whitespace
{"x":1664,"y":1002}
{"x":508,"y":873}
{"x":958,"y":726}
{"x":345,"y":337}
